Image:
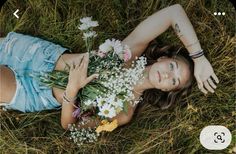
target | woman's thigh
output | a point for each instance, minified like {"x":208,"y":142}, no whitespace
{"x":7,"y":84}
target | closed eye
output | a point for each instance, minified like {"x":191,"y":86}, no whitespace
{"x":174,"y":81}
{"x":171,"y":66}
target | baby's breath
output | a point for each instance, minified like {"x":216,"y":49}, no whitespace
{"x":82,"y":135}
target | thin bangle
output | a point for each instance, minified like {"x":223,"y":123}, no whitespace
{"x":200,"y":53}
{"x":197,"y":56}
{"x":70,"y":100}
{"x":67,"y":100}
{"x":64,"y":102}
{"x":196,"y":53}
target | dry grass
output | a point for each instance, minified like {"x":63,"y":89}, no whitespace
{"x":151,"y":130}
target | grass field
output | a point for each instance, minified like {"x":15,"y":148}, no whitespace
{"x":151,"y":130}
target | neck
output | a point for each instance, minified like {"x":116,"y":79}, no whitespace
{"x":144,"y":83}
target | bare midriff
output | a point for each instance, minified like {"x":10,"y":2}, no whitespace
{"x":8,"y":81}
{"x":7,"y":84}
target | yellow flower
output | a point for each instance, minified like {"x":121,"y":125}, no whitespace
{"x":104,"y":122}
{"x":107,"y":126}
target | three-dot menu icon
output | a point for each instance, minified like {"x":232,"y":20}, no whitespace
{"x":219,"y":13}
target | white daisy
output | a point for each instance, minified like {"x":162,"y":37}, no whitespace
{"x":100,"y":101}
{"x":107,"y":111}
{"x":84,"y":27}
{"x":106,"y":47}
{"x":87,"y":23}
{"x":86,"y":19}
{"x":118,"y":48}
{"x":93,"y":24}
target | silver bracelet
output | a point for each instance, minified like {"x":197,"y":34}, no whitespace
{"x":68,"y":100}
{"x":196,"y":53}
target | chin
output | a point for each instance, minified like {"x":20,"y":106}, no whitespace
{"x":154,"y":83}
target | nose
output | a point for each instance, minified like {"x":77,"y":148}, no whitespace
{"x":166,"y":75}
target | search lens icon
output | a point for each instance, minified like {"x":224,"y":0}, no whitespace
{"x":219,"y":137}
{"x":215,"y":137}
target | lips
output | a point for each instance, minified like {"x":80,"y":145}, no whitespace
{"x":159,"y":76}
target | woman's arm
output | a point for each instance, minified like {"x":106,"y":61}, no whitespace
{"x":122,"y":118}
{"x":77,"y":80}
{"x":158,"y":23}
{"x":68,"y":109}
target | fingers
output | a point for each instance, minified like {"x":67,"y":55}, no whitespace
{"x":84,"y":62}
{"x":211,"y":83}
{"x":208,"y":87}
{"x":90,"y":78}
{"x":200,"y":85}
{"x":215,"y":78}
{"x":72,"y":66}
{"x":80,"y":63}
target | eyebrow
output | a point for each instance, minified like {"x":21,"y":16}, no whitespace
{"x":177,"y":66}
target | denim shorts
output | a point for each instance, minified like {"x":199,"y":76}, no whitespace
{"x":25,"y":55}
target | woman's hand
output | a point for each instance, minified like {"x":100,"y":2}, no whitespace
{"x":78,"y":75}
{"x":203,"y":72}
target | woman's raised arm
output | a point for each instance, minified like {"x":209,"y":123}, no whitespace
{"x":158,"y":23}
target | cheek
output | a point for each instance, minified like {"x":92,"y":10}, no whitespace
{"x":166,"y":84}
{"x":152,"y":76}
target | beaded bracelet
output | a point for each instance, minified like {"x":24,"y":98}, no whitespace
{"x":68,"y":100}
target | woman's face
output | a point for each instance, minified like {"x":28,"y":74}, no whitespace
{"x":168,"y":73}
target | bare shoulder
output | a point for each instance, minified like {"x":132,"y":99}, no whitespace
{"x":67,"y":59}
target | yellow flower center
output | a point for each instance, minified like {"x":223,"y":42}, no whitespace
{"x":106,"y":111}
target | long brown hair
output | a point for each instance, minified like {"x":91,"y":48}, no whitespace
{"x":156,"y":97}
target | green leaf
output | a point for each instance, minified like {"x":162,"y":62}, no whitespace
{"x":126,"y":106}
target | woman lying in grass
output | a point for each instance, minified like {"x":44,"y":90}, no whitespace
{"x":167,"y":72}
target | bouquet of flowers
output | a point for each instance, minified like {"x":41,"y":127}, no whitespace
{"x":106,"y":96}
